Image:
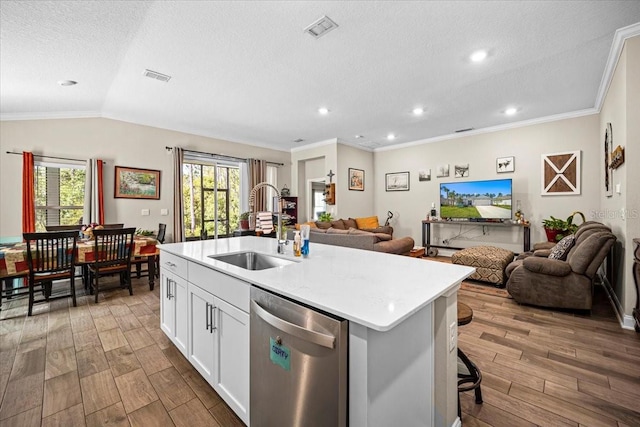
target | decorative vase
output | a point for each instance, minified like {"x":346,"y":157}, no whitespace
{"x":551,"y":234}
{"x":244,"y":224}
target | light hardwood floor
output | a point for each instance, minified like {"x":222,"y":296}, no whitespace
{"x":110,"y":364}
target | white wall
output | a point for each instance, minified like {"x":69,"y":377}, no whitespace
{"x":118,"y":143}
{"x":526,"y":144}
{"x":353,"y":203}
{"x":621,"y":108}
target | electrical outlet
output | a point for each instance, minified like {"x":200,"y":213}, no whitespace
{"x":145,"y":212}
{"x":453,"y":336}
{"x":164,"y":212}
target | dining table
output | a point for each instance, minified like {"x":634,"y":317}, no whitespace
{"x":14,"y":268}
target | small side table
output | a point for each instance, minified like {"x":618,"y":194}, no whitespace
{"x":636,"y":278}
{"x":417,"y":252}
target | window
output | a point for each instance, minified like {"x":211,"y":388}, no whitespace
{"x":211,"y":198}
{"x":59,"y":192}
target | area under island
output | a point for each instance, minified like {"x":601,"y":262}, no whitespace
{"x":401,"y":313}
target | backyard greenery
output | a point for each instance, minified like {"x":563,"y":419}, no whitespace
{"x":59,"y":195}
{"x":459,"y":212}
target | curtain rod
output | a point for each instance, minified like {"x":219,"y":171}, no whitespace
{"x":221,"y":156}
{"x":53,"y":157}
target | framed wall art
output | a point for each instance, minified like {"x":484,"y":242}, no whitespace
{"x":608,"y":172}
{"x":134,"y":183}
{"x":397,"y":181}
{"x":505,"y":164}
{"x":424,"y":175}
{"x":461,"y":171}
{"x":561,"y":174}
{"x":443,"y":171}
{"x":356,"y":179}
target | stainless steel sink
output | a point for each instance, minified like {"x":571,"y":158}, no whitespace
{"x":252,"y":260}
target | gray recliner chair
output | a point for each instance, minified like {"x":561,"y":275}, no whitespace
{"x":568,"y":284}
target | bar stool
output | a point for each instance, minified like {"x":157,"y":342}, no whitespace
{"x":471,"y":379}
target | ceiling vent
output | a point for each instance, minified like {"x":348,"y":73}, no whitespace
{"x":298,"y":140}
{"x":156,"y":75}
{"x":464,"y":130}
{"x":321,"y":27}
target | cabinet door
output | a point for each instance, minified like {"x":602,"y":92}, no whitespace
{"x":181,"y":319}
{"x":232,"y":353}
{"x":167,"y":310}
{"x":201,"y":337}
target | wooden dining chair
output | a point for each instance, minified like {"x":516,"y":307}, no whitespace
{"x":138,"y":262}
{"x":51,"y":256}
{"x":77,"y":227}
{"x":112,"y":226}
{"x":111,"y":254}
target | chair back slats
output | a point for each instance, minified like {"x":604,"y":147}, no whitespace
{"x":113,"y":246}
{"x":51,"y":252}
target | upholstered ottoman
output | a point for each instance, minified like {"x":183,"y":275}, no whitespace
{"x":489,"y":262}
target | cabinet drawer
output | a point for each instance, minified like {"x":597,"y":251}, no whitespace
{"x":174,"y":264}
{"x":232,"y":290}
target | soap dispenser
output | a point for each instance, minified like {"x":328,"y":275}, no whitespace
{"x":297,"y":244}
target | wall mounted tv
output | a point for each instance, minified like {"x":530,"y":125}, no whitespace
{"x":476,"y":200}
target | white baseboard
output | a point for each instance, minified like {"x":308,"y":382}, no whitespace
{"x":457,"y":423}
{"x":628,"y":322}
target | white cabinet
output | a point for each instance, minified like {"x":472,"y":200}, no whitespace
{"x":219,"y":342}
{"x":173,"y":308}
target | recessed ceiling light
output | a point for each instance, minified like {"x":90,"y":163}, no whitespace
{"x":479,"y":55}
{"x":323,"y":111}
{"x":391,"y":137}
{"x":418,"y":111}
{"x":510,"y":111}
{"x":67,"y":82}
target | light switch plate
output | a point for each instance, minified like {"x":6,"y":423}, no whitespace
{"x":145,"y":212}
{"x":164,"y":212}
{"x":619,"y":188}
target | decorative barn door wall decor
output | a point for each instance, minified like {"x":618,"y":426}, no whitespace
{"x":561,"y":173}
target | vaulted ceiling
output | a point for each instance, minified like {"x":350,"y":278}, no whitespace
{"x":246,"y":71}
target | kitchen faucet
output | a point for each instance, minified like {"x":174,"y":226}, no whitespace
{"x":252,"y":199}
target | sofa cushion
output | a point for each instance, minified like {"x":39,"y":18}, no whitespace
{"x":382,"y":237}
{"x":337,"y":231}
{"x":353,"y":230}
{"x":338,"y":224}
{"x":561,"y":250}
{"x":350,"y":223}
{"x":368,"y":222}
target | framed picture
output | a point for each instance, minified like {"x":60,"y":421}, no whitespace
{"x":505,"y":164}
{"x":561,"y":173}
{"x":356,"y":179}
{"x":133,"y":183}
{"x":397,"y":181}
{"x":461,"y":171}
{"x":424,"y":175}
{"x":443,"y":171}
{"x":608,"y":172}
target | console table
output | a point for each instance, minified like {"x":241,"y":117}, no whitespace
{"x":636,"y":278}
{"x":426,"y":231}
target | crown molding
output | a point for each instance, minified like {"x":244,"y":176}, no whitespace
{"x":315,"y":145}
{"x":619,"y":38}
{"x":507,"y":126}
{"x":50,"y":115}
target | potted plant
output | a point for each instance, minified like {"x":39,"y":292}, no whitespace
{"x":556,"y":228}
{"x":244,"y":220}
{"x":325,"y":217}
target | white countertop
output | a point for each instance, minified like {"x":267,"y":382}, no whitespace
{"x":374,"y":289}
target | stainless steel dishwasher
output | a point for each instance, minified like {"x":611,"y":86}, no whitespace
{"x":298,"y":364}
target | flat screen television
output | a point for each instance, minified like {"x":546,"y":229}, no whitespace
{"x":476,"y":200}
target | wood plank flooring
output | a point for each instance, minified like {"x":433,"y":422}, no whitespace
{"x":110,"y":364}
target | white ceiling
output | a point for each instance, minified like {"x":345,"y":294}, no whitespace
{"x":245,"y":71}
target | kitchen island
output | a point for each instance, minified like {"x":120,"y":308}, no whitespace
{"x":401,"y":312}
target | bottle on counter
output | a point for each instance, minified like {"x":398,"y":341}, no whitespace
{"x":304,"y":231}
{"x":297,"y":244}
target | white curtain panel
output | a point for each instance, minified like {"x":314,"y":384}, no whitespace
{"x":178,"y":199}
{"x":90,"y":213}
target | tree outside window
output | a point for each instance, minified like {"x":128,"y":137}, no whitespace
{"x":59,"y":194}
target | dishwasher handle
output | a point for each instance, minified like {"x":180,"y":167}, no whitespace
{"x":295,"y":330}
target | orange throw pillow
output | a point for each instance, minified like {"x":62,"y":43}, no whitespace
{"x":311,"y":224}
{"x":368,"y":222}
